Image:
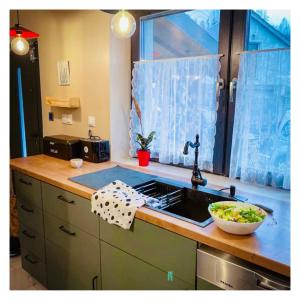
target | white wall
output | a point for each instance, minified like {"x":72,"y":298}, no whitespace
{"x":120,"y":93}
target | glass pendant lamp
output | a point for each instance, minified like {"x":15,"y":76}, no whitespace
{"x":123,"y":24}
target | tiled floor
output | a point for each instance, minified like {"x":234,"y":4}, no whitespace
{"x":20,"y":279}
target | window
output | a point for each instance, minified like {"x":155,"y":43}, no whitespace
{"x":181,"y":34}
{"x":261,"y":134}
{"x":185,"y":86}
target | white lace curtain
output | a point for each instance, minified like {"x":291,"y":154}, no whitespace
{"x":178,"y":100}
{"x":261,"y":135}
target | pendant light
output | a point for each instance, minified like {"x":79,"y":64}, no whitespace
{"x":123,"y":24}
{"x":19,"y":34}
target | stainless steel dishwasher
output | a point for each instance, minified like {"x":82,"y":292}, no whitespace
{"x":219,"y":270}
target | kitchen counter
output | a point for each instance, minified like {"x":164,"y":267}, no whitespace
{"x":268,"y":247}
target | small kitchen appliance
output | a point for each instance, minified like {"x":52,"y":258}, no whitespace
{"x":94,"y":149}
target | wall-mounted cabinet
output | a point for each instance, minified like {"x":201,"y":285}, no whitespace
{"x":73,"y":102}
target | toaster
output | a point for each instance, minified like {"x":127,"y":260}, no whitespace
{"x":62,"y":146}
{"x":95,"y":150}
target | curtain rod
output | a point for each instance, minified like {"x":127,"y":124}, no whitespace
{"x":176,"y":58}
{"x":265,"y":50}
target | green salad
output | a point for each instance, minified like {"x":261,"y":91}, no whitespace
{"x":233,"y":213}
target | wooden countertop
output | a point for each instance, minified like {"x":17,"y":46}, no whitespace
{"x":268,"y":247}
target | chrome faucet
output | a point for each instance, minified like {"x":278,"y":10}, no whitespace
{"x":197,"y":178}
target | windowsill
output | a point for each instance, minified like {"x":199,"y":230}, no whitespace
{"x":216,"y":180}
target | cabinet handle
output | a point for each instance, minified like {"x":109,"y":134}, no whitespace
{"x":62,"y":228}
{"x":24,"y":181}
{"x":26,"y":209}
{"x":62,"y":198}
{"x":28,"y":234}
{"x":27,"y":257}
{"x":94,"y":282}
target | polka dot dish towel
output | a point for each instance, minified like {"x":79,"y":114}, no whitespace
{"x":116,"y":203}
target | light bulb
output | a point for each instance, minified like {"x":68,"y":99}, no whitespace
{"x":19,"y":45}
{"x":123,"y":24}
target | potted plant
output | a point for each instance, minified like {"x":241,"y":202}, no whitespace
{"x":143,"y":152}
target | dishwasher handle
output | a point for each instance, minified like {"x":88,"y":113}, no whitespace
{"x":268,"y":284}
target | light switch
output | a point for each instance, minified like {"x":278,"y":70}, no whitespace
{"x":91,"y":121}
{"x":67,"y":119}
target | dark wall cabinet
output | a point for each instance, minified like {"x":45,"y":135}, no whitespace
{"x":66,"y":247}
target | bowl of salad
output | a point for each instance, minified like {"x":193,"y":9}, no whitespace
{"x":237,"y":217}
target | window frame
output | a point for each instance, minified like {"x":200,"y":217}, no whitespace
{"x":240,"y":31}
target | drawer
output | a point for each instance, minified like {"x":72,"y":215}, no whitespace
{"x":121,"y":271}
{"x":79,"y":245}
{"x":34,"y":266}
{"x":31,"y":216}
{"x":161,"y":248}
{"x":33,"y":241}
{"x":70,"y":208}
{"x":68,"y":272}
{"x":28,"y":189}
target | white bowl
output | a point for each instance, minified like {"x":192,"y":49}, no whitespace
{"x":234,"y":227}
{"x":76,"y":162}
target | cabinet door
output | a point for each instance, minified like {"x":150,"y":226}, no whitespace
{"x":72,"y":256}
{"x":121,"y":271}
{"x":66,"y":272}
{"x":161,"y":248}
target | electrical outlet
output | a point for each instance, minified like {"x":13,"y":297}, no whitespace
{"x":51,"y":116}
{"x":91,"y":121}
{"x":67,"y":119}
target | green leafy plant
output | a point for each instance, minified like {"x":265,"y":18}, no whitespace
{"x":145,"y":142}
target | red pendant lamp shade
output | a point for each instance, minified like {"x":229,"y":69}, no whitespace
{"x":20,"y":31}
{"x":23,"y":32}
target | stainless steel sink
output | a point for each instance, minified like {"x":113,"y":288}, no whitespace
{"x":181,"y":202}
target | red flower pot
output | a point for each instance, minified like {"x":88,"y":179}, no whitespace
{"x":144,"y":157}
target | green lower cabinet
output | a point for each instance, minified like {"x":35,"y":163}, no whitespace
{"x":72,"y":256}
{"x":65,"y":272}
{"x":31,"y":216}
{"x":28,"y":189}
{"x":70,"y":208}
{"x":122,"y":271}
{"x":61,"y":247}
{"x":32,"y":241}
{"x":33,"y":265}
{"x":157,"y":246}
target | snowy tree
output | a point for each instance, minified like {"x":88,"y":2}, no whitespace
{"x":284,"y":27}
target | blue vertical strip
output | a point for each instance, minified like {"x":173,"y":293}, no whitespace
{"x":21,"y":114}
